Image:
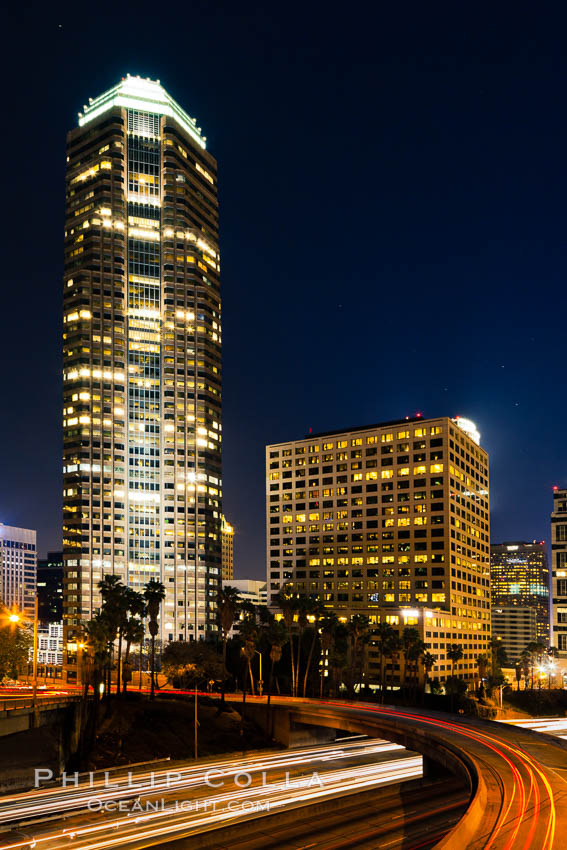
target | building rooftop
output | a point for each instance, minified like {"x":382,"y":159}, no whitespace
{"x":145,"y":95}
{"x":466,"y":425}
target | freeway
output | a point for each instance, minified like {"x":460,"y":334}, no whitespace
{"x":517,"y":777}
{"x":146,"y":807}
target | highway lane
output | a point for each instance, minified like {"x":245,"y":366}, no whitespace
{"x":183,"y":803}
{"x":406,"y":816}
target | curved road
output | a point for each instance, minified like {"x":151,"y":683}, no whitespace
{"x":518,"y":778}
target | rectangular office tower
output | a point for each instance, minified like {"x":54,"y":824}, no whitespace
{"x":18,"y":568}
{"x":559,"y":575}
{"x":142,"y":358}
{"x":520,"y":577}
{"x":388,"y":520}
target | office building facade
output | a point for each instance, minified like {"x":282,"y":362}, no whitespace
{"x":227,"y":550}
{"x":389,"y":520}
{"x":142,"y":359}
{"x":559,"y":573}
{"x":50,"y":588}
{"x":515,"y":626}
{"x":18,"y":568}
{"x":519,"y":575}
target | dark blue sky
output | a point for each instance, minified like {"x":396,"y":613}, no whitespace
{"x":392,"y":188}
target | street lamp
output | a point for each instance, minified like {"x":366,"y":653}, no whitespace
{"x":14,"y":617}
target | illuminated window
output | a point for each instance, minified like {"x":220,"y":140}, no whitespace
{"x":327,"y":446}
{"x":387,"y":438}
{"x":436,"y":467}
{"x":357,"y":441}
{"x":419,"y":470}
{"x":403,"y":470}
{"x":387,"y":473}
{"x":403,"y":435}
{"x":342,"y":444}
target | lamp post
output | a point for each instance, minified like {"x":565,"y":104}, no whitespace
{"x":17,"y":618}
{"x":260,"y":680}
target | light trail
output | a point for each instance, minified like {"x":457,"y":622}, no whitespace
{"x":225,"y":807}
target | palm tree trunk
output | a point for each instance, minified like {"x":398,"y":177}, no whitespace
{"x":152,"y":687}
{"x":126,"y":659}
{"x":297,"y":666}
{"x":223,"y":669}
{"x":309,"y":658}
{"x":119,"y":663}
{"x":251,"y":678}
{"x":292,"y":661}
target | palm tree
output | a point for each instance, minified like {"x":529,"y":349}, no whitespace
{"x":275,"y":633}
{"x":133,"y":633}
{"x":329,"y":625}
{"x":429,"y":661}
{"x":228,"y":600}
{"x":357,"y":628}
{"x":411,"y":647}
{"x":381,"y":637}
{"x":287,"y":603}
{"x":454,"y":654}
{"x":248,"y":631}
{"x":317,"y":610}
{"x":154,"y":594}
{"x":392,"y":651}
{"x":112,"y":593}
{"x":97,"y":635}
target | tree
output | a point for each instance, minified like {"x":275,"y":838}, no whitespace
{"x":133,"y":634}
{"x":359,"y":636}
{"x":154,"y":594}
{"x":113,"y":608}
{"x":248,"y":631}
{"x":15,"y":643}
{"x":412,"y":647}
{"x":228,"y":600}
{"x":454,"y":654}
{"x":392,"y":651}
{"x":329,"y":624}
{"x":287,"y":603}
{"x":429,"y":661}
{"x":317,"y":610}
{"x":186,"y":663}
{"x":382,"y":637}
{"x":98,"y":634}
{"x":275,"y":633}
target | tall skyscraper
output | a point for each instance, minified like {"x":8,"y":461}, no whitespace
{"x":559,"y":574}
{"x":520,"y":577}
{"x":227,"y":550}
{"x":389,"y":520}
{"x":142,"y":358}
{"x":18,"y":565}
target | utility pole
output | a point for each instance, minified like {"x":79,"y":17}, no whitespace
{"x":196,"y":722}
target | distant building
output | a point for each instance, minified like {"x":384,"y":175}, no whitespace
{"x":227,"y":531}
{"x":519,"y":576}
{"x":49,"y":645}
{"x":559,"y":572}
{"x":250,"y":590}
{"x":50,"y":588}
{"x":390,"y":521}
{"x":18,"y":565}
{"x":515,"y":627}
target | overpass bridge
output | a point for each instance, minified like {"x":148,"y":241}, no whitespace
{"x":517,"y":778}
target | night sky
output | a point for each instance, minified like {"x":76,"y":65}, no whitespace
{"x":392,"y":191}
